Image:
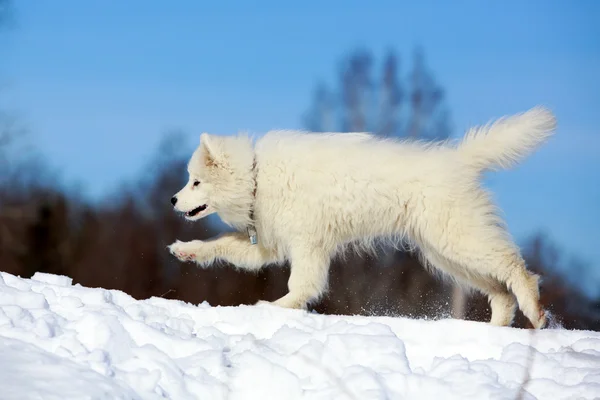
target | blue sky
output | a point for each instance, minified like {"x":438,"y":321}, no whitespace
{"x":99,"y":82}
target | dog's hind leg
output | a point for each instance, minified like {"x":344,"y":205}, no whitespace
{"x":469,"y":234}
{"x":502,"y":303}
{"x":496,"y":268}
{"x":308,"y":278}
{"x":522,"y":284}
{"x":525,"y":285}
{"x":510,"y":270}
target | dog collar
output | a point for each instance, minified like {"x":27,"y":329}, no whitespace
{"x":252,"y":235}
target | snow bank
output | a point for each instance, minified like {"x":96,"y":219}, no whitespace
{"x":59,"y":341}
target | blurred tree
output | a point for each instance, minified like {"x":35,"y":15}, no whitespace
{"x":356,"y":92}
{"x":376,"y":104}
{"x":46,"y":239}
{"x":429,"y":118}
{"x":11,"y":214}
{"x":390,"y":99}
{"x":319,"y":117}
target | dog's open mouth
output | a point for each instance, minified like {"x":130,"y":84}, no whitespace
{"x":196,"y":210}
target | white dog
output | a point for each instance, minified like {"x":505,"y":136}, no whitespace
{"x":303,"y":197}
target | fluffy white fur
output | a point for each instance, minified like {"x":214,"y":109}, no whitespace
{"x":318,"y":193}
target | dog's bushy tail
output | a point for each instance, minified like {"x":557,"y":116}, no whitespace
{"x":506,"y":141}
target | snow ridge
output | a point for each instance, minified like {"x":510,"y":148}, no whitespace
{"x":64,"y":341}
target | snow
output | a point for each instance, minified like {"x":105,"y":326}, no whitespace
{"x":64,"y":341}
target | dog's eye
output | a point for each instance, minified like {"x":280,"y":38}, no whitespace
{"x":196,"y":183}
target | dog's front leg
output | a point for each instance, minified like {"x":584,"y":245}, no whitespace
{"x":308,"y":278}
{"x":234,"y":248}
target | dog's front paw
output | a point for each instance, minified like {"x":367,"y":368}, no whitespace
{"x":287,"y":301}
{"x":185,"y":251}
{"x":263,"y":303}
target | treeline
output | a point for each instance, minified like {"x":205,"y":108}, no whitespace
{"x":120,"y":242}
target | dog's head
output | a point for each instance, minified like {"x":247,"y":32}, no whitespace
{"x":221,"y":180}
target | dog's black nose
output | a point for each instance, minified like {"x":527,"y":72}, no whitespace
{"x":173,"y":200}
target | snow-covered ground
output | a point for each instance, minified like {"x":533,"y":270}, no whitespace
{"x":59,"y":341}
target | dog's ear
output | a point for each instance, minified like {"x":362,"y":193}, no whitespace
{"x":211,"y":154}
